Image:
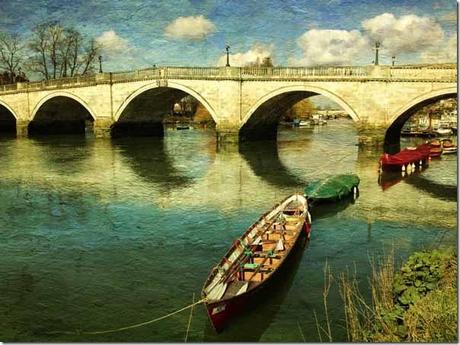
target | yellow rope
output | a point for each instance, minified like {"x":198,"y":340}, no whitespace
{"x":189,"y":319}
{"x":131,"y":326}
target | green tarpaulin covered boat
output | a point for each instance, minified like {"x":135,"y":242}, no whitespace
{"x":332,"y":188}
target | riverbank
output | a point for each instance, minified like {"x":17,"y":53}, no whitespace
{"x":416,"y":303}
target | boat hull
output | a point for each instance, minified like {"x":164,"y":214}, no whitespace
{"x":449,"y":151}
{"x":401,"y":160}
{"x":221,"y":312}
{"x":333,"y":188}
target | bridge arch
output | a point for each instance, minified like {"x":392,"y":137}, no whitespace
{"x":399,"y":118}
{"x":61,"y":112}
{"x":261,"y":120}
{"x":60,"y":94}
{"x":8,"y":119}
{"x":171,"y":85}
{"x":314,"y":90}
{"x":424,"y":99}
{"x":7,"y":107}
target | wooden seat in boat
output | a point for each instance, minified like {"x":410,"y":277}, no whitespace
{"x":233,"y":288}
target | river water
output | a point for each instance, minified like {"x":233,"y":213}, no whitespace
{"x":96,"y":235}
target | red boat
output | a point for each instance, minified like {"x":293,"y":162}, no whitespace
{"x":413,"y":156}
{"x":254,"y":259}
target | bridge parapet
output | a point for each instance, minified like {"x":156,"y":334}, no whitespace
{"x":437,"y":73}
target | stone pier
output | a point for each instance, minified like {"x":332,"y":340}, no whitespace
{"x":22,"y":128}
{"x":102,"y":127}
{"x":225,"y":136}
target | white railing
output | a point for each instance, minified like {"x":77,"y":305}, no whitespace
{"x":444,"y":72}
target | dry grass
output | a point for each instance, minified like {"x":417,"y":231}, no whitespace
{"x":433,"y":318}
{"x":328,"y":278}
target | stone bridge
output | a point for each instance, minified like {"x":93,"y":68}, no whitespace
{"x":246,"y":103}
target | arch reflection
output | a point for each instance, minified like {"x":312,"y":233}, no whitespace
{"x":264,"y":160}
{"x":149,"y":160}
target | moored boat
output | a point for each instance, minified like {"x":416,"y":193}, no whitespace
{"x":303,"y":123}
{"x":332,"y":188}
{"x":414,"y":156}
{"x":448,"y":147}
{"x":254,"y":259}
{"x":435,"y":148}
{"x":318,"y":119}
{"x":444,"y":131}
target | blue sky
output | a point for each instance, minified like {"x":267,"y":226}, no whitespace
{"x":137,"y":34}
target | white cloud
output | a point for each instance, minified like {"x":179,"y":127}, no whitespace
{"x":407,"y":34}
{"x":112,"y":44}
{"x":334,"y":47}
{"x":253,"y":56}
{"x":191,"y":28}
{"x":444,"y":52}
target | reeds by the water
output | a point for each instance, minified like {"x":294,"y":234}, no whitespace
{"x":430,"y":317}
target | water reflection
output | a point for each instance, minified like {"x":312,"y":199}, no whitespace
{"x":64,"y":153}
{"x":437,"y":190}
{"x":325,"y":210}
{"x":263,"y":158}
{"x":262,"y":309}
{"x":114,"y":220}
{"x":148,"y":158}
{"x":388,"y":179}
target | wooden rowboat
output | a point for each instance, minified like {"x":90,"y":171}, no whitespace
{"x":448,"y":147}
{"x":254,"y":260}
{"x":435,"y":148}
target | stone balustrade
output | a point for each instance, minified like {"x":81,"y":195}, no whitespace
{"x":445,"y":72}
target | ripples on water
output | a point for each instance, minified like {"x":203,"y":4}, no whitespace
{"x":98,"y":234}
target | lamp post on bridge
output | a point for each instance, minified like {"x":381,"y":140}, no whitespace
{"x":377,"y":46}
{"x":227,"y":48}
{"x":393,"y":58}
{"x":100,"y":64}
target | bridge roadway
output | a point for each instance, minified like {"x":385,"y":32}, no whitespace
{"x":245,"y":103}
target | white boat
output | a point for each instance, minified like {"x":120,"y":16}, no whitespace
{"x":303,"y":123}
{"x":444,"y":131}
{"x":318,"y":120}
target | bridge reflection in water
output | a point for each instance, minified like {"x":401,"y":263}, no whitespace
{"x":149,"y":160}
{"x":264,"y":160}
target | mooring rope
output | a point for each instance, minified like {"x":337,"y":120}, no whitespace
{"x":78,"y":332}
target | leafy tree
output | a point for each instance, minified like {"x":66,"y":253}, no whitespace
{"x":301,"y":110}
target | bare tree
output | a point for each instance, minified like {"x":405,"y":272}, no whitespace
{"x":39,"y":46}
{"x":55,"y":36}
{"x":62,"y":52}
{"x":76,"y":43}
{"x":11,"y":54}
{"x":92,"y":50}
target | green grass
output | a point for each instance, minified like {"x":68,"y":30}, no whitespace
{"x":417,"y":303}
